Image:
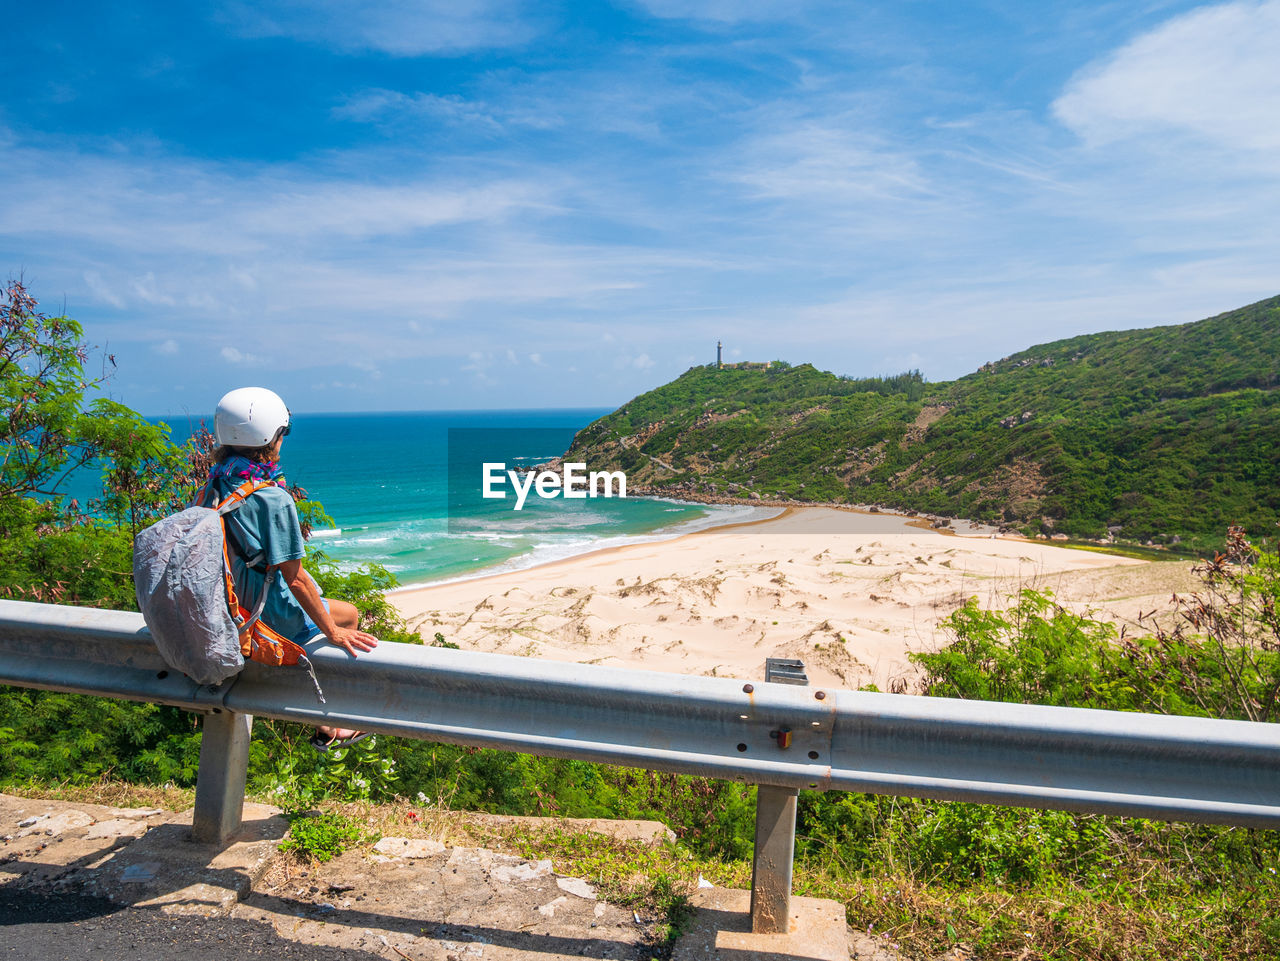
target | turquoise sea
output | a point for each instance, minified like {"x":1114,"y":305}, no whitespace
{"x":385,"y":481}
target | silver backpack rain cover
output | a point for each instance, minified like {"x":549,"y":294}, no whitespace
{"x":178,"y":574}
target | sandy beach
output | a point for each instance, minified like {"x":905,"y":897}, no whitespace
{"x":848,"y":593}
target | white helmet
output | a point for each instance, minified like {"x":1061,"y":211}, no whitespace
{"x":250,"y":417}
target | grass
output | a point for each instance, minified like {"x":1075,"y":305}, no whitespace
{"x":1148,"y":911}
{"x":119,"y":794}
{"x":1132,"y":551}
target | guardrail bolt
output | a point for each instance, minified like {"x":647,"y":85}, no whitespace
{"x":820,"y":695}
{"x":748,"y":688}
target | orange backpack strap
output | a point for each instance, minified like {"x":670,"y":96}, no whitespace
{"x":229,"y":503}
{"x":237,"y":496}
{"x":258,"y":640}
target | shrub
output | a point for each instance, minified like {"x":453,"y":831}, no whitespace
{"x":322,"y":836}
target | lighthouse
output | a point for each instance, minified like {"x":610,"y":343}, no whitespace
{"x":719,"y":359}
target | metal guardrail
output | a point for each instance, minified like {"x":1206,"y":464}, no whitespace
{"x":779,"y":735}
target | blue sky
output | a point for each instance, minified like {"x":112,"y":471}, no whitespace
{"x":434,"y":205}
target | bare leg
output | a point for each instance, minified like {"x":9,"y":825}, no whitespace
{"x":344,"y":615}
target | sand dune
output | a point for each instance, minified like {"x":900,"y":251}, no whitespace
{"x":850,"y":594}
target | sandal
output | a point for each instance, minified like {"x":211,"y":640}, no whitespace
{"x":325,"y":743}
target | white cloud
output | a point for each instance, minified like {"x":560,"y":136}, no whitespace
{"x":642,"y":362}
{"x":101,"y":290}
{"x":633,"y":96}
{"x":368,"y":366}
{"x":403,"y":28}
{"x":891,"y":329}
{"x":166,"y":347}
{"x":243,"y":277}
{"x":1212,"y":74}
{"x":148,"y":292}
{"x":372,"y":105}
{"x":375,"y":210}
{"x":480,"y":363}
{"x":234,"y":355}
{"x":380,"y":105}
{"x":245,"y":250}
{"x":830,"y":164}
{"x":724,"y":11}
{"x":165,"y":206}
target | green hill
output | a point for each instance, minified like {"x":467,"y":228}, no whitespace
{"x":1165,"y":434}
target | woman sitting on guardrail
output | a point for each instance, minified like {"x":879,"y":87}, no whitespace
{"x":250,"y":425}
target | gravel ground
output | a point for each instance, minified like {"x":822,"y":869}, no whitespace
{"x":47,"y":926}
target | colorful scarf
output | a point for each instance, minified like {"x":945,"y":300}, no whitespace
{"x":239,"y":469}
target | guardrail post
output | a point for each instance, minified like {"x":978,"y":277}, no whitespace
{"x":774,"y":853}
{"x":775,"y":846}
{"x":224,"y":766}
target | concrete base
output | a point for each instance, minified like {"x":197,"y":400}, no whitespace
{"x":721,"y":930}
{"x":59,"y":843}
{"x":647,"y":832}
{"x":135,"y":857}
{"x":166,"y":869}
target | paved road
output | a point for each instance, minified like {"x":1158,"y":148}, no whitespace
{"x":42,"y":926}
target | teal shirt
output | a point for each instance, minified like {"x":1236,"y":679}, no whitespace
{"x":265,"y":528}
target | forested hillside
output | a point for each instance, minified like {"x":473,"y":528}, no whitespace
{"x":1166,"y":434}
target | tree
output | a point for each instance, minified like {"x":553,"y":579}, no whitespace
{"x":45,"y":433}
{"x":145,"y":476}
